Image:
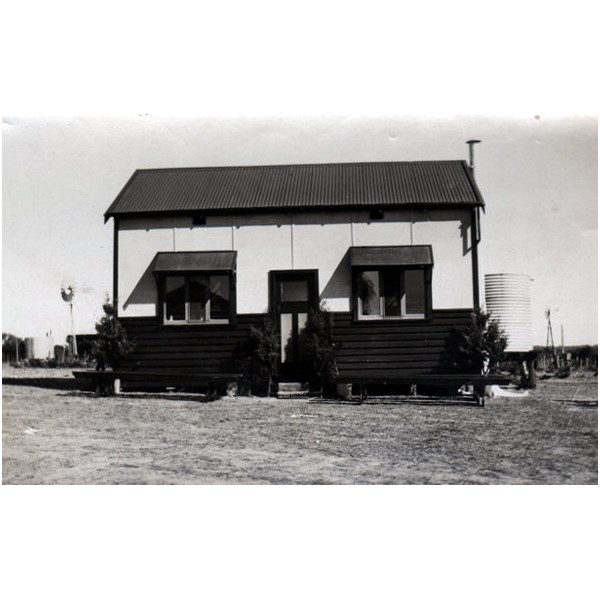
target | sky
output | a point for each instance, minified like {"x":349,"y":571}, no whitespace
{"x":255,"y":83}
{"x":537,"y":174}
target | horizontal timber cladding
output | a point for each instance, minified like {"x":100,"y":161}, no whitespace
{"x":384,"y":347}
{"x":398,"y":347}
{"x":190,"y":349}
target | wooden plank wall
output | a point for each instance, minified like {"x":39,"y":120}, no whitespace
{"x":401,"y":347}
{"x":190,"y":349}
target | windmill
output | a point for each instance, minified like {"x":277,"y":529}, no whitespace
{"x":67,"y":293}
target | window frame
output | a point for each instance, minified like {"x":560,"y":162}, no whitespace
{"x":403,"y":318}
{"x":276,"y":276}
{"x":187,"y":275}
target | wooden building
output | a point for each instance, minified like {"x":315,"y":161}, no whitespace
{"x":390,"y":249}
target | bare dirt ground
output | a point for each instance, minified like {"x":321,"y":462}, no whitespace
{"x":55,"y":434}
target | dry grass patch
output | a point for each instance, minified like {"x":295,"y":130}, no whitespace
{"x":65,"y":436}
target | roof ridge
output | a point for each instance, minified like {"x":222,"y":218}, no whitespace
{"x":283,"y":166}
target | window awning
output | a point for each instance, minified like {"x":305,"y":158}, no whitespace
{"x":397,"y":256}
{"x":169,"y":262}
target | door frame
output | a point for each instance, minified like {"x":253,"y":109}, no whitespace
{"x":311,"y":275}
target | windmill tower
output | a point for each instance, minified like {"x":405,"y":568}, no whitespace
{"x":550,"y":350}
{"x":67,"y":293}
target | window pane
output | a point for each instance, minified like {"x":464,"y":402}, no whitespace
{"x":414,"y":289}
{"x":285,"y":324}
{"x":302,"y":318}
{"x":198,"y":297}
{"x":294,"y":290}
{"x":368,"y":292}
{"x":391,"y":288}
{"x":219,"y":297}
{"x":175,"y":299}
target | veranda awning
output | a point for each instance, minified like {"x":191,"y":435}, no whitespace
{"x":173,"y":262}
{"x":383,"y":256}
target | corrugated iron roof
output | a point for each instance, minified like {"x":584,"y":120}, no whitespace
{"x":297,"y":187}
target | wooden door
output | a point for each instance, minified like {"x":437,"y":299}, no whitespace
{"x":293,"y":294}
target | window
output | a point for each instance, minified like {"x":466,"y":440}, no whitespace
{"x":391,"y":293}
{"x":293,"y":290}
{"x":198,"y":298}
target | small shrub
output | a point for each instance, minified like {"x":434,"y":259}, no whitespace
{"x":111,"y":346}
{"x":318,"y":350}
{"x":480,"y":347}
{"x":258,"y":357}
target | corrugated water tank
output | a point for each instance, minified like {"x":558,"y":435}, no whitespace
{"x":41,"y":347}
{"x":508,"y":299}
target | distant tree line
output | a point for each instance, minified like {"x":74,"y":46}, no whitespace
{"x":584,"y":356}
{"x":14,"y":351}
{"x":13,"y":348}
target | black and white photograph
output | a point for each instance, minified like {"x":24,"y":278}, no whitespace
{"x":274,"y":317}
{"x":304,"y":260}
